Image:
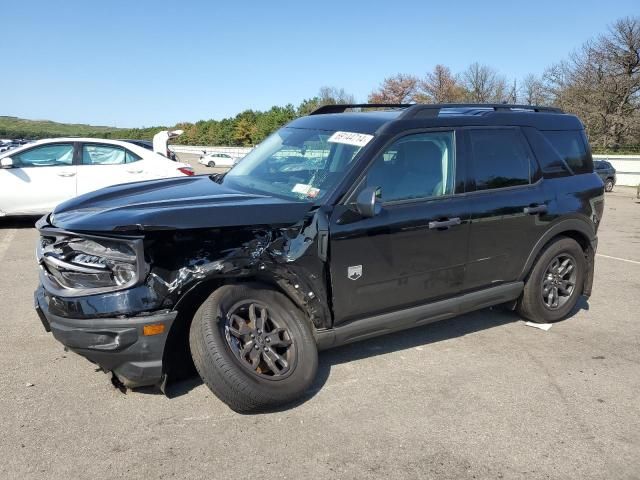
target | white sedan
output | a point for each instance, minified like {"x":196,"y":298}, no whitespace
{"x":217,"y":160}
{"x":36,"y":177}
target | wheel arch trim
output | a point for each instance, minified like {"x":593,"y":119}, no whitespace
{"x":578,"y":229}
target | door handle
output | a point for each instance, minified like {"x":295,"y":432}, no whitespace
{"x":444,"y":224}
{"x":535,"y":209}
{"x":134,"y":171}
{"x":66,"y":174}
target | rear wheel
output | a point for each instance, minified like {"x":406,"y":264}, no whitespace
{"x":211,"y":163}
{"x":253,"y":348}
{"x":608,"y":185}
{"x":555,"y":283}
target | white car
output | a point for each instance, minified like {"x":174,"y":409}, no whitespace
{"x":36,"y":177}
{"x":217,"y":160}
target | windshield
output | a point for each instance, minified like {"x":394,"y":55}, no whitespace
{"x":297,"y":163}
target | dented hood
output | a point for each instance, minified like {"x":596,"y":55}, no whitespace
{"x":174,"y":203}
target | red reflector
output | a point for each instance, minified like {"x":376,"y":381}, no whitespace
{"x":186,"y":171}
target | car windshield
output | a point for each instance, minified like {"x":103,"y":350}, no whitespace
{"x":301,"y":164}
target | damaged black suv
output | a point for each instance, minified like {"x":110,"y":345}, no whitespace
{"x":338,"y":227}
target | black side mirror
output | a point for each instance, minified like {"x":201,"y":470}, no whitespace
{"x":366,"y":202}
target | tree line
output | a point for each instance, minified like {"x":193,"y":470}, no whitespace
{"x":599,"y":82}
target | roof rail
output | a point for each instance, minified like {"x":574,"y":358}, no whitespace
{"x":413,"y":110}
{"x":344,"y":106}
{"x":429,"y":111}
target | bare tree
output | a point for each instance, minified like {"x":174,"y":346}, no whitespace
{"x":325,"y":96}
{"x":400,"y":88}
{"x":334,"y":96}
{"x":441,"y":86}
{"x":483,"y":84}
{"x":532,"y":90}
{"x":601,"y":83}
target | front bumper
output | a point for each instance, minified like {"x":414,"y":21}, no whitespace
{"x":115,"y":344}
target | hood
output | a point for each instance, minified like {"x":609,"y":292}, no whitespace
{"x":173,"y":203}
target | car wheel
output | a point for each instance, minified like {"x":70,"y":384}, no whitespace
{"x":608,"y":185}
{"x":253,"y":347}
{"x":555,"y":282}
{"x":211,"y":164}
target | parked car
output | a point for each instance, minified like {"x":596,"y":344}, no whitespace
{"x":606,"y":172}
{"x":217,"y":160}
{"x":147,"y":144}
{"x":403,"y":217}
{"x":36,"y":177}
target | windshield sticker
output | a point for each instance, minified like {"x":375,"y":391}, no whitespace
{"x":313,"y":192}
{"x":350,"y":138}
{"x":301,"y":188}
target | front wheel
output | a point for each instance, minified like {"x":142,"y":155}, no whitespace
{"x":555,"y":283}
{"x":608,"y":185}
{"x":211,"y":164}
{"x":253,"y":348}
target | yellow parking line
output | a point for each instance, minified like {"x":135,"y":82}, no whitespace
{"x":618,"y":258}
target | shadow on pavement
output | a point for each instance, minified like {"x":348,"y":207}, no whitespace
{"x":406,"y":339}
{"x":403,"y":340}
{"x":18,"y":222}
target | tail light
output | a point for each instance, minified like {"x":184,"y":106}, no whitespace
{"x":186,"y":171}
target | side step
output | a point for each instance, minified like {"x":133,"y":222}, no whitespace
{"x":364,"y":328}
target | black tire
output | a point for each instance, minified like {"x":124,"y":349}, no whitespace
{"x":211,"y":164}
{"x":230,"y":377}
{"x":534,"y":303}
{"x":608,"y":185}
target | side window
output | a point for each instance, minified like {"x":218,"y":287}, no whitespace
{"x":500,"y":158}
{"x":59,"y":154}
{"x":102,"y":155}
{"x":415,"y":166}
{"x":131,"y":157}
{"x":570,"y":145}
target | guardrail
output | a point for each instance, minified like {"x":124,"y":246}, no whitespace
{"x":234,"y":152}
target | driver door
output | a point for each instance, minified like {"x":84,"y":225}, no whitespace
{"x":415,"y":249}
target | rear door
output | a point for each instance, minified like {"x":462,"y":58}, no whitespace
{"x":414,"y":250}
{"x":508,"y":207}
{"x":41,"y":177}
{"x":102,"y":165}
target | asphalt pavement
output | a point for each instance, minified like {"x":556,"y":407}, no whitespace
{"x":478,"y":396}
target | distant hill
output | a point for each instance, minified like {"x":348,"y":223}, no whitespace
{"x":14,"y":127}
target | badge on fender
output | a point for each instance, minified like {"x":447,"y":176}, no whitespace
{"x":354,"y":272}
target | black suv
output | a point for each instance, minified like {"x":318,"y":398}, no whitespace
{"x":338,"y":227}
{"x":606,"y":172}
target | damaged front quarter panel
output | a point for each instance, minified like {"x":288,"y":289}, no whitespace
{"x":291,"y":258}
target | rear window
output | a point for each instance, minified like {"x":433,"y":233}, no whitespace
{"x":571,"y":147}
{"x":500,"y":158}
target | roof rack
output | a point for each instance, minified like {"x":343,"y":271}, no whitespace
{"x":414,"y":110}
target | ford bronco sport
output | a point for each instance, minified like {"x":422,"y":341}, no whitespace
{"x":338,"y":227}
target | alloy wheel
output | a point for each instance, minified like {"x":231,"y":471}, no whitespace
{"x":559,"y":281}
{"x":259,"y":340}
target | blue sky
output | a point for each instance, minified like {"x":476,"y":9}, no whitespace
{"x":143,"y":63}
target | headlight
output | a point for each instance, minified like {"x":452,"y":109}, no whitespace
{"x":90,"y":263}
